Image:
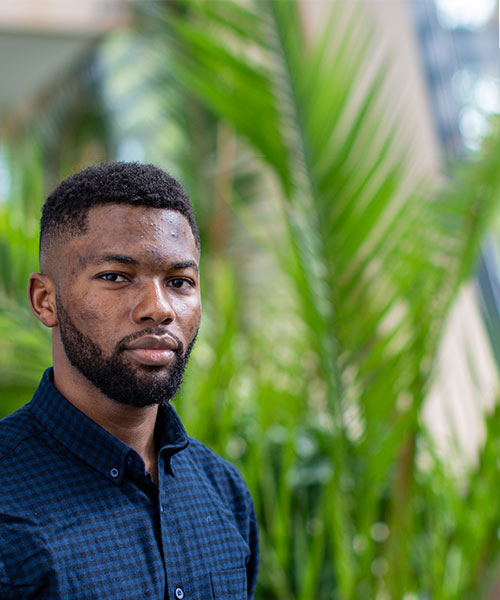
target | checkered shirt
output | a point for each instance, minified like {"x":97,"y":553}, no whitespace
{"x":81,"y":519}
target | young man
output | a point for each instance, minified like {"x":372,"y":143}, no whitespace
{"x":102,"y":493}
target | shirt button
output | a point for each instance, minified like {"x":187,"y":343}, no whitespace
{"x":130,"y":461}
{"x":114,"y":472}
{"x":162,"y":508}
{"x":179,"y":593}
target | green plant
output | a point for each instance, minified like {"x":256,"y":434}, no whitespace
{"x":24,"y":345}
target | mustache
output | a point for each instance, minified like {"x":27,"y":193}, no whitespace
{"x":159,"y":331}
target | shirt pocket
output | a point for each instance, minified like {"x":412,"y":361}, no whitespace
{"x":229,"y":585}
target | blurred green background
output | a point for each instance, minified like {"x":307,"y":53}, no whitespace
{"x":341,"y":158}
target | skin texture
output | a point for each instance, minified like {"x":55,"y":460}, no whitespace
{"x":132,"y":274}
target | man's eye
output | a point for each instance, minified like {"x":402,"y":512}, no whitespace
{"x":114,"y":277}
{"x":179,"y":283}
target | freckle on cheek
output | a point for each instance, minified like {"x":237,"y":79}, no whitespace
{"x":88,"y":315}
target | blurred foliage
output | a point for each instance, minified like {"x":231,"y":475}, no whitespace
{"x":327,"y":280}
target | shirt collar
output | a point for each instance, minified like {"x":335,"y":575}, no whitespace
{"x":88,"y":440}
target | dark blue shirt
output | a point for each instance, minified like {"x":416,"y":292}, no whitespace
{"x":81,"y":519}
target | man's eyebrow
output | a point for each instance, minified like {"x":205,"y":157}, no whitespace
{"x":186,"y":265}
{"x":119,"y":258}
{"x":128,"y":260}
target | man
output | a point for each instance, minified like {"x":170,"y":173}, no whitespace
{"x":102,"y":494}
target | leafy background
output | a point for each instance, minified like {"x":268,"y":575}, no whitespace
{"x":328,"y":277}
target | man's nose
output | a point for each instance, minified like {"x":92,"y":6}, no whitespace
{"x":153,"y":304}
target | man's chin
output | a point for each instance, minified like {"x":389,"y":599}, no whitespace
{"x":142,"y":385}
{"x":146,"y":396}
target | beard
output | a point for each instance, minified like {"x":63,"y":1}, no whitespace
{"x":114,"y":376}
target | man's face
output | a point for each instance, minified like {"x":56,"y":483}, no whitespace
{"x":128,"y":302}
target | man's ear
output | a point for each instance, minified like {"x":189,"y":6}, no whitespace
{"x":41,"y":294}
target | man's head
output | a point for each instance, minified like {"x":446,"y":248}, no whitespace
{"x":64,"y":213}
{"x":119,"y":254}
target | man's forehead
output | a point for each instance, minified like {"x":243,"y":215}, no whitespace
{"x":131,"y":231}
{"x":136,"y":223}
{"x":130,"y":214}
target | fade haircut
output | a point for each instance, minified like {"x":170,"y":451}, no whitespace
{"x":64,"y":213}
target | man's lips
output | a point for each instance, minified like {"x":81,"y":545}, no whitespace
{"x":153,"y":350}
{"x":153,"y":342}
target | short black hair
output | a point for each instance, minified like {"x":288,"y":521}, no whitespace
{"x":65,"y":209}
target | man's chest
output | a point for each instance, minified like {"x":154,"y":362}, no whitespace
{"x":84,"y":537}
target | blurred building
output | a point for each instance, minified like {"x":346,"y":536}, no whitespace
{"x":42,"y":39}
{"x":406,"y":91}
{"x":458,"y":46}
{"x":459,"y":52}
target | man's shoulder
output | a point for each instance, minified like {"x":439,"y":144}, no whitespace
{"x":221,"y":473}
{"x":16,"y":429}
{"x":210,"y":459}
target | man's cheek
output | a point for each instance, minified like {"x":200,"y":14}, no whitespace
{"x":84,"y":309}
{"x":88,"y":316}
